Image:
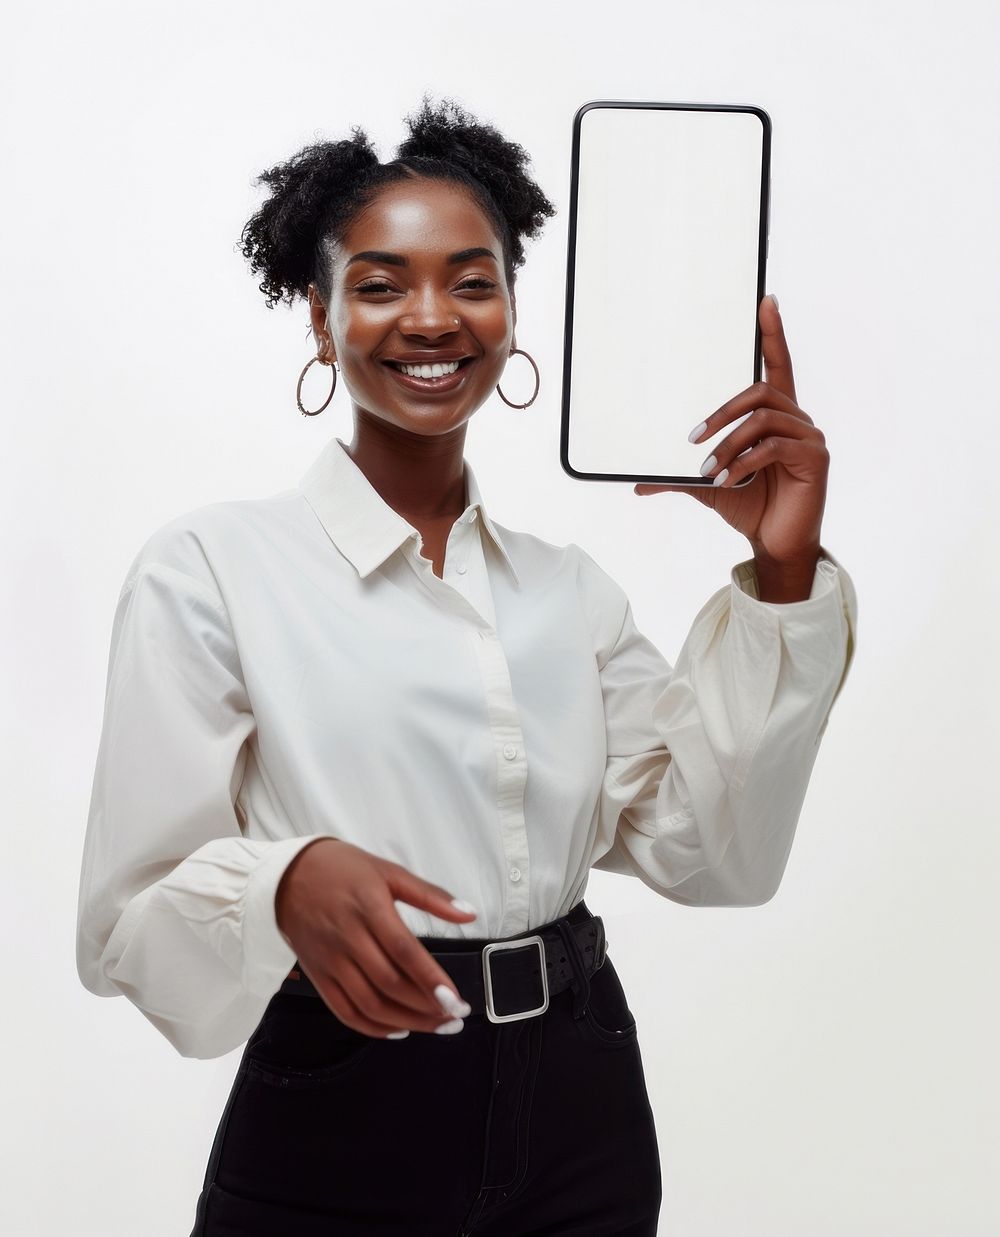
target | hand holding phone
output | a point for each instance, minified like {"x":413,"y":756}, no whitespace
{"x":769,"y":473}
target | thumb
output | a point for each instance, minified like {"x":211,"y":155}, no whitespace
{"x":414,"y":890}
{"x":705,"y":494}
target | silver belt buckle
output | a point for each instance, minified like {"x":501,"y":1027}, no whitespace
{"x":491,"y":1012}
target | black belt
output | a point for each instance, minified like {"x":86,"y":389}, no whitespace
{"x":503,"y":978}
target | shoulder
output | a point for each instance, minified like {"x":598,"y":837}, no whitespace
{"x":193,"y":547}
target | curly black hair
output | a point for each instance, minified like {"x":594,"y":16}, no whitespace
{"x":316,"y":194}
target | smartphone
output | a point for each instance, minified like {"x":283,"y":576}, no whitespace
{"x":668,"y":239}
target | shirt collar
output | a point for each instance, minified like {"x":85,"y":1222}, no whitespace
{"x":360,"y":522}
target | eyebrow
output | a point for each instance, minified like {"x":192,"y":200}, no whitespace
{"x":397,"y":259}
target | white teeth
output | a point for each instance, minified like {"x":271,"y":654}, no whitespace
{"x":428,"y":371}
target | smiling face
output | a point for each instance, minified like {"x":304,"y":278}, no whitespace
{"x":420,"y":271}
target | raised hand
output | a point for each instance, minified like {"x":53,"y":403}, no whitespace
{"x":781,"y":511}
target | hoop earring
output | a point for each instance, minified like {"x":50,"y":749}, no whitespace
{"x":538,"y":383}
{"x":298,"y":388}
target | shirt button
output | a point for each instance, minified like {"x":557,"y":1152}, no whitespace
{"x":515,"y":874}
{"x":510,"y":751}
{"x":461,"y":569}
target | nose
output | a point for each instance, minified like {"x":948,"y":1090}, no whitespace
{"x":431,"y":319}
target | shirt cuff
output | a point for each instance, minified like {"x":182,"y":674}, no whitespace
{"x":267,"y":954}
{"x":746,"y":594}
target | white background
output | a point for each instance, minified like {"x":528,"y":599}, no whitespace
{"x":822,"y":1065}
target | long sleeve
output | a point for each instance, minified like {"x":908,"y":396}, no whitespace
{"x":176,"y":905}
{"x":709,"y":761}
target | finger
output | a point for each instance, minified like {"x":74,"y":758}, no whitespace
{"x":378,"y":1008}
{"x":696,"y":490}
{"x":758,"y":426}
{"x":402,"y":946}
{"x":341,"y":1004}
{"x":406,"y":886}
{"x":774,"y":348}
{"x":760,"y":395}
{"x":801,"y":457}
{"x":412,"y":959}
{"x":404,"y":969}
{"x":388,"y":957}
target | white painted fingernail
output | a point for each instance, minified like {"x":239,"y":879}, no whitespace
{"x":397,"y":1035}
{"x":697,"y":432}
{"x":461,"y":905}
{"x":449,"y":1028}
{"x":451,"y":1003}
{"x":721,"y":477}
{"x":708,"y":465}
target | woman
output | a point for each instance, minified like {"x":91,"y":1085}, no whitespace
{"x":333,"y":710}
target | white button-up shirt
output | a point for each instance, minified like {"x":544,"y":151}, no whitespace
{"x":291,"y":667}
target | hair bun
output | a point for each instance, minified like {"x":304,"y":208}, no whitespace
{"x":448,"y":133}
{"x":317,"y":193}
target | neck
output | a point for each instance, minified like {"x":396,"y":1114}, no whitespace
{"x":420,"y":476}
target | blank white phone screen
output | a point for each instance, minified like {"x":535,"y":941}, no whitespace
{"x":666,"y":266}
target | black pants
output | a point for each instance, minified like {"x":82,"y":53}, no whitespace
{"x":536,"y":1126}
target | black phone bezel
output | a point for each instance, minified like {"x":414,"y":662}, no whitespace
{"x":763,"y":244}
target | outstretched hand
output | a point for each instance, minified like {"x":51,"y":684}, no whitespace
{"x":781,"y":511}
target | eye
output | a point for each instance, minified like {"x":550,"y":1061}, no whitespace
{"x":474,"y":281}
